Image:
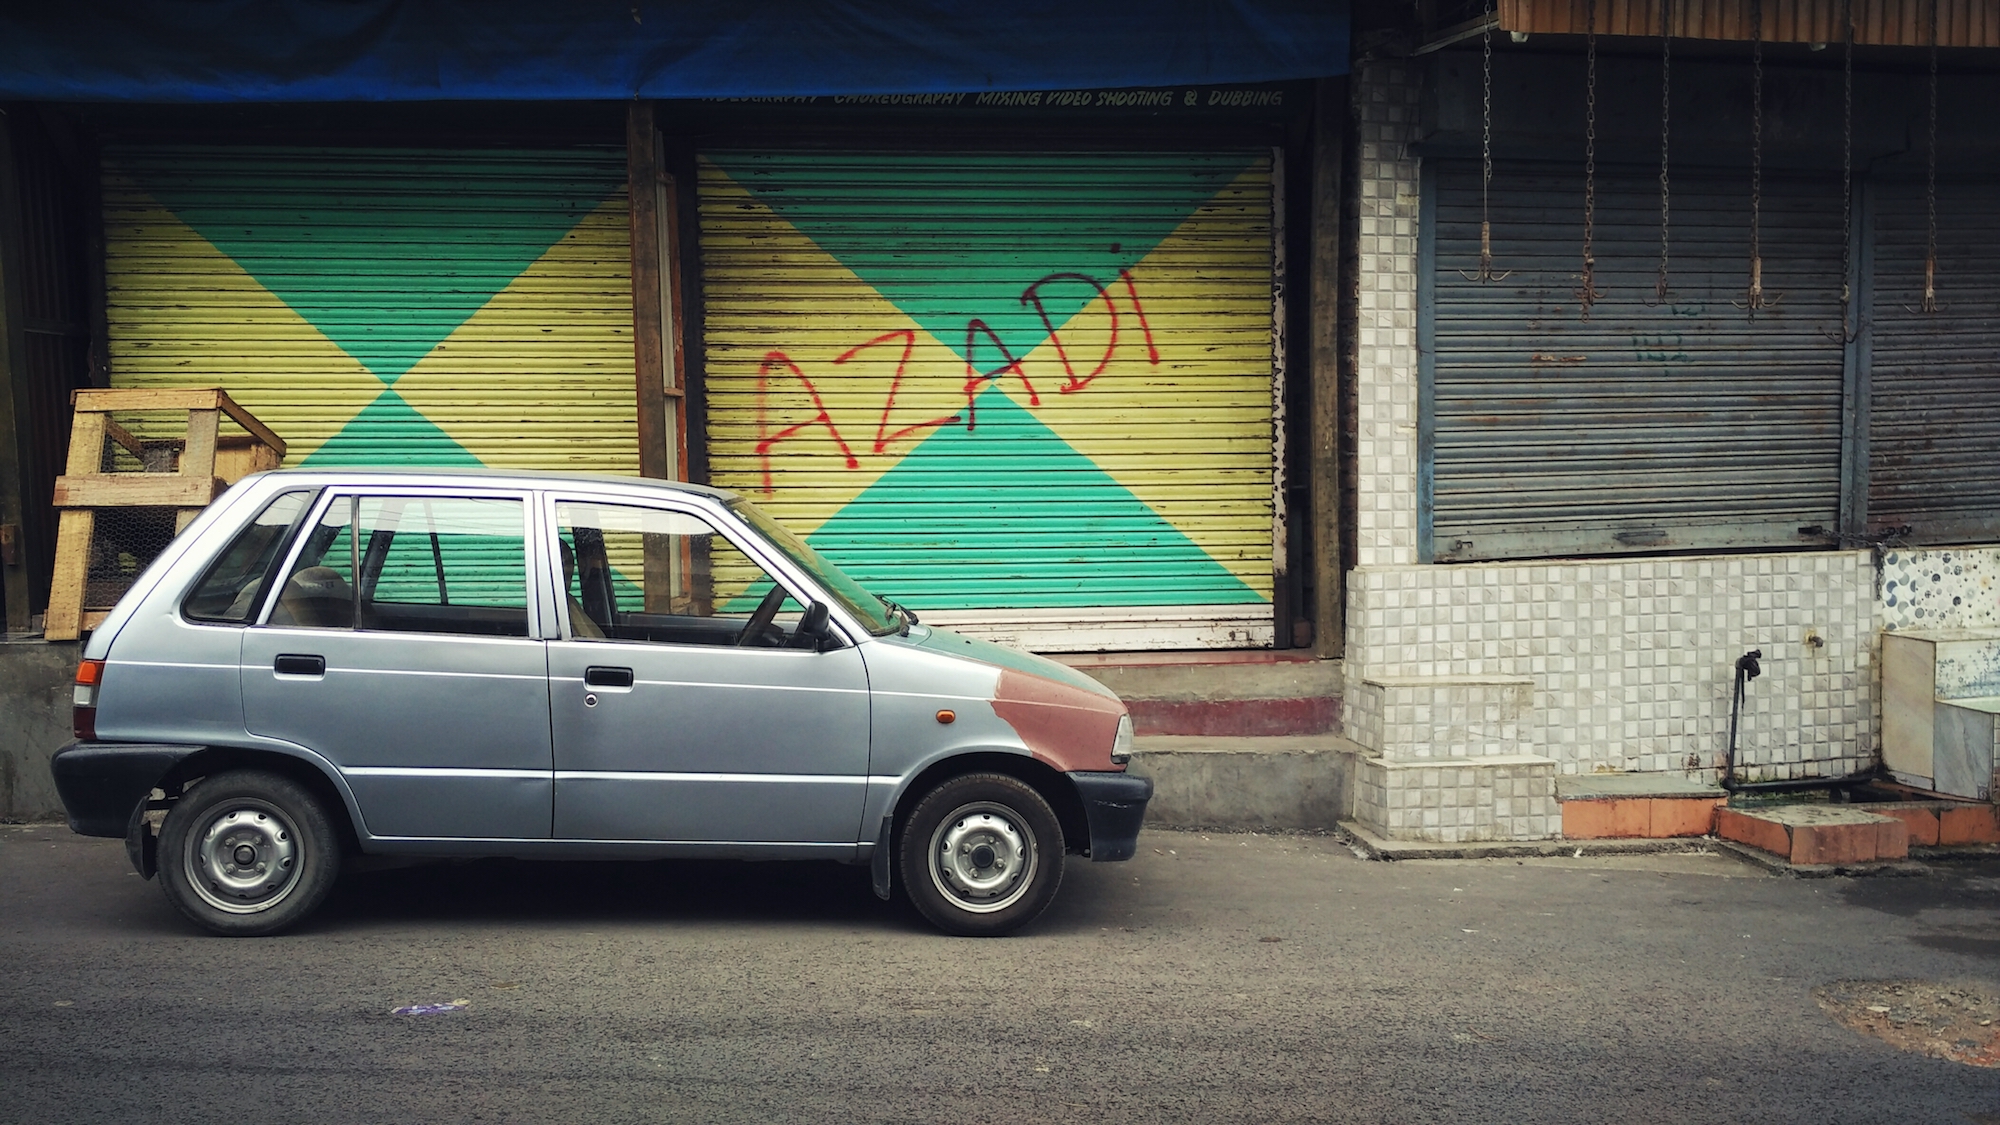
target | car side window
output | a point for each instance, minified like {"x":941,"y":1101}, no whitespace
{"x":412,"y":564}
{"x":231,"y":591}
{"x":649,"y":575}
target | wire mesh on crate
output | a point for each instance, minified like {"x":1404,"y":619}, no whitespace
{"x":142,"y":465}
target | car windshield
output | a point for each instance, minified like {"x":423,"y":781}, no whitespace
{"x":873,"y":612}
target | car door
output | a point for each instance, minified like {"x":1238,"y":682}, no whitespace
{"x":682,"y":713}
{"x":403,"y":646}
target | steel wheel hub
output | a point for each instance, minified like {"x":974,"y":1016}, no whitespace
{"x":245,"y":859}
{"x":981,"y":858}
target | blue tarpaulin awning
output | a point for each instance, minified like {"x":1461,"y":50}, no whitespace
{"x":429,"y":50}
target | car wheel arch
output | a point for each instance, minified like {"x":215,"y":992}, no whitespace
{"x":1052,"y":784}
{"x":315,"y":777}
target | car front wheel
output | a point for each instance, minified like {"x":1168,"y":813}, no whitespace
{"x":247,"y":853}
{"x":982,"y":855}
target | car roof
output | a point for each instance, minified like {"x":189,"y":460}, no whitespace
{"x":522,"y":478}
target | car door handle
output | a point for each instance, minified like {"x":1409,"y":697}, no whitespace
{"x":598,"y":675}
{"x":299,"y":664}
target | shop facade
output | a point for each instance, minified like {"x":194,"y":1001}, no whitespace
{"x":1677,"y":415}
{"x":1017,"y":362}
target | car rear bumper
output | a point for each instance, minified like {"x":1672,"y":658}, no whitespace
{"x":1115,"y":805}
{"x":102,"y":782}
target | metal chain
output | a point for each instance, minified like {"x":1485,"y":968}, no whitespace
{"x":1485,"y":272}
{"x":1930,"y":303}
{"x":1589,"y":293}
{"x":1754,"y":299}
{"x":1847,"y":175}
{"x":1666,"y":61}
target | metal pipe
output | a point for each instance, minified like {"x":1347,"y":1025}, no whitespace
{"x":1747,"y":669}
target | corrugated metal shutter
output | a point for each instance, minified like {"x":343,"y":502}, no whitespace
{"x":1112,"y":488}
{"x":1934,"y":397}
{"x":1683,"y":425}
{"x":384,"y":306}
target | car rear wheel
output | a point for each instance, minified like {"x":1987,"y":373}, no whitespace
{"x":247,"y":853}
{"x":982,"y":855}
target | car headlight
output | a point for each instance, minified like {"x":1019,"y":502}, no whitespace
{"x":1121,"y":743}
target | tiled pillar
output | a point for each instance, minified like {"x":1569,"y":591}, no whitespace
{"x":1386,"y":99}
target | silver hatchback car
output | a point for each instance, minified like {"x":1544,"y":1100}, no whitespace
{"x":444,"y":663}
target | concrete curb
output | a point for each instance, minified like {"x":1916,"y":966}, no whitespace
{"x":1375,"y":847}
{"x":1246,"y":784}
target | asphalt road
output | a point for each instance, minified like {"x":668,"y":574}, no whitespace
{"x":1213,"y":979}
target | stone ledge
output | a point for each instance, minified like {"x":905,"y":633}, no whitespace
{"x":1616,"y":786}
{"x":1375,"y":846}
{"x":1246,"y":744}
{"x":1251,"y":718}
{"x":1482,"y":761}
{"x":1448,"y":681}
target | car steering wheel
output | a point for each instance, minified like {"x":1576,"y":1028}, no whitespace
{"x":761,"y":618}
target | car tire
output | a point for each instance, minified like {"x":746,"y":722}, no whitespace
{"x":247,"y":853}
{"x":981,"y":855}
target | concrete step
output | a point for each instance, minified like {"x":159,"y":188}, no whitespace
{"x":1941,"y":824}
{"x":1253,"y":783}
{"x":1223,"y":695}
{"x":1653,"y":806}
{"x":1817,"y":835}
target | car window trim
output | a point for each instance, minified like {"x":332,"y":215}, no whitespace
{"x":801,"y":591}
{"x":331,"y":494}
{"x":280,"y":563}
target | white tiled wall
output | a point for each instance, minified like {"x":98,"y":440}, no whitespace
{"x":1386,"y":96}
{"x":1633,"y":662}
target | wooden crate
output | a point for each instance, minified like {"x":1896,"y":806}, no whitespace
{"x":207,"y":463}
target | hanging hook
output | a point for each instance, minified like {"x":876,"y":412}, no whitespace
{"x":1929,"y":303}
{"x":1485,"y":271}
{"x":1755,"y":299}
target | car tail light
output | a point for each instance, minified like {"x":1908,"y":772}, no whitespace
{"x":83,"y":714}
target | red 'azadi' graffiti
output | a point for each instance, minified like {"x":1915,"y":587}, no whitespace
{"x":976,"y":378}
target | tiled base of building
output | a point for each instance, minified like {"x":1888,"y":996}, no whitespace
{"x":1628,"y":664}
{"x":1457,"y":800}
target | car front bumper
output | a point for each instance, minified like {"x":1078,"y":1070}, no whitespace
{"x":1115,"y":805}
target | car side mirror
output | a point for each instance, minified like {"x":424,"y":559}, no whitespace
{"x":814,"y":631}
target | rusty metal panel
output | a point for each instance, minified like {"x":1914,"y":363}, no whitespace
{"x":1934,"y":401}
{"x":1646,"y":426}
{"x":1903,"y":23}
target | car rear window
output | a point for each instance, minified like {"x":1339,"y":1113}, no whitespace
{"x":231,"y":591}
